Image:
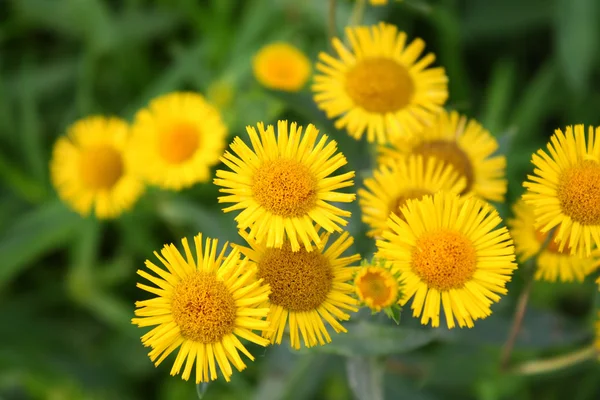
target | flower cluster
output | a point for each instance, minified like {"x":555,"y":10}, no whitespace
{"x":441,"y":243}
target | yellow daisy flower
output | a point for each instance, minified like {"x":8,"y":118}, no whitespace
{"x":564,"y":189}
{"x":378,"y":2}
{"x":203,"y":305}
{"x":281,"y":66}
{"x":307,"y":288}
{"x":379,"y":87}
{"x":177,"y":139}
{"x":466,"y":145}
{"x":283,"y":185}
{"x":449,"y":252}
{"x":406,"y":178}
{"x":552,"y":263}
{"x":376,"y":287}
{"x":91,"y":167}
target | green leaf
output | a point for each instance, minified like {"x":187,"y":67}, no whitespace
{"x":577,"y":34}
{"x":369,"y":339}
{"x":34,"y":234}
{"x":498,"y":96}
{"x":201,"y":389}
{"x":365,"y":377}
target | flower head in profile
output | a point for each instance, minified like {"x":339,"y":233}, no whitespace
{"x":203,"y":306}
{"x":465,"y":145}
{"x":552,"y":263}
{"x":283,"y":185}
{"x":92,"y":167}
{"x":564,"y":190}
{"x":177,"y":139}
{"x":450,"y":255}
{"x":308,"y":288}
{"x":377,"y":286}
{"x":410,"y":177}
{"x":281,"y":66}
{"x":379,"y":87}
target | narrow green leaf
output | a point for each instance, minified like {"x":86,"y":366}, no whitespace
{"x":201,"y":389}
{"x":369,"y":339}
{"x":498,"y":96}
{"x":36,"y":233}
{"x":577,"y":35}
{"x":365,"y":377}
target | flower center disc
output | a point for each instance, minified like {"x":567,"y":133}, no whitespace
{"x":450,"y":153}
{"x":379,"y":85}
{"x":579,"y":192}
{"x":203,"y":308}
{"x":285,"y":187}
{"x":300,"y":281}
{"x":410,"y":194}
{"x":178,"y":144}
{"x":101,"y":167}
{"x":444,"y":259}
{"x":373,"y":286}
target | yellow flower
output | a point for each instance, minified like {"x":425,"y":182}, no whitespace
{"x":466,"y":145}
{"x":203,"y":305}
{"x":283,"y":185}
{"x":448,"y":252}
{"x":281,"y":66}
{"x":378,"y":2}
{"x":552,"y":263}
{"x":376,"y":287}
{"x":177,"y":139}
{"x":406,"y":178}
{"x":91,"y":167}
{"x":379,"y":87}
{"x":565,"y":191}
{"x":307,"y":288}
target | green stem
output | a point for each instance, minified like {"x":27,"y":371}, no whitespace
{"x":521,"y":308}
{"x":555,"y":363}
{"x":331,"y":20}
{"x":357,"y":13}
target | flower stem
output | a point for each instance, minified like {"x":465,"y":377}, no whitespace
{"x":357,"y":13}
{"x":555,"y":363}
{"x":331,"y":20}
{"x":521,"y":308}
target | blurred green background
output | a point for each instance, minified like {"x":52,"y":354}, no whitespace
{"x":67,"y":284}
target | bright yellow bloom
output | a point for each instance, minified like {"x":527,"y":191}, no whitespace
{"x":308,"y":287}
{"x":91,"y":167}
{"x":283,"y":185}
{"x":376,"y":287}
{"x":378,"y":2}
{"x":565,"y":191}
{"x":449,"y":253}
{"x":406,"y":178}
{"x":203,"y":305}
{"x":281,"y":66}
{"x":379,"y":87}
{"x":552,"y":263}
{"x":464,"y":144}
{"x":177,"y":139}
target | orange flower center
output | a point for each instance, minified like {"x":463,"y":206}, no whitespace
{"x":178,"y":144}
{"x":377,"y":287}
{"x":444,"y":259}
{"x":300,"y":281}
{"x":379,"y":85}
{"x":285,"y":187}
{"x":449,"y":152}
{"x":579,"y":192}
{"x":101,"y":167}
{"x":203,"y":308}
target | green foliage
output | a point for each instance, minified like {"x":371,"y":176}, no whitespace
{"x":67,"y":283}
